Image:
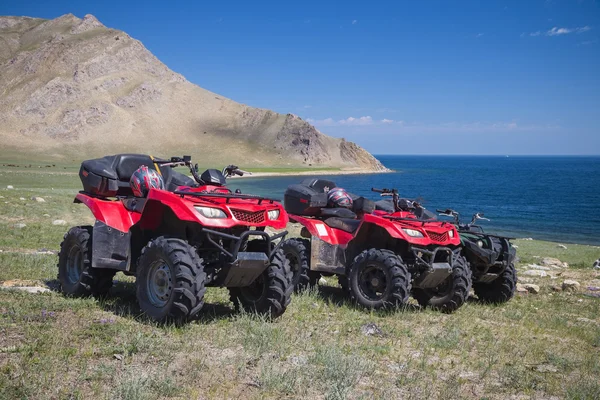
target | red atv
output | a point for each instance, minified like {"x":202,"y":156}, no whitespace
{"x":176,"y":241}
{"x":377,"y":255}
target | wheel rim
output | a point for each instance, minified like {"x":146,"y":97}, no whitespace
{"x":74,"y":265}
{"x":159,"y":284}
{"x":256,"y":290}
{"x":372,"y":282}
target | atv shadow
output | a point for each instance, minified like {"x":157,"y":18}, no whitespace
{"x":122,"y":301}
{"x":332,"y":295}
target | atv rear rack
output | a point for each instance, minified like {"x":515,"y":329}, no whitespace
{"x":227,"y":196}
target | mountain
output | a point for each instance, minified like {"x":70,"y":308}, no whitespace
{"x":71,"y":87}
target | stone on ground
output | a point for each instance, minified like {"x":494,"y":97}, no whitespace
{"x":38,"y":199}
{"x":531,"y":288}
{"x":554,"y":263}
{"x":534,"y":272}
{"x":10,"y":187}
{"x":19,"y":226}
{"x":570,"y":285}
{"x":60,"y":222}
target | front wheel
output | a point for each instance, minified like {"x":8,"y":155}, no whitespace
{"x":452,"y":293}
{"x":379,"y":279}
{"x":170,"y":280}
{"x":270,"y":293}
{"x":500,"y":290}
{"x":297,"y":251}
{"x":75,"y":273}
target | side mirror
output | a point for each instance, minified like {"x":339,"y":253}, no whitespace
{"x":187,"y":159}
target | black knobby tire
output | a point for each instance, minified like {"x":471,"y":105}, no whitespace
{"x":270,"y":293}
{"x":170,"y":280}
{"x":343,"y":282}
{"x":452,"y":294}
{"x":500,"y":290}
{"x":76,"y":276}
{"x":297,"y":251}
{"x":379,"y":279}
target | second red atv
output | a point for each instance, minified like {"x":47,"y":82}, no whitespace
{"x":379,"y":257}
{"x":176,"y":241}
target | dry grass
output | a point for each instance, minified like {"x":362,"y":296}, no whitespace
{"x":535,"y":346}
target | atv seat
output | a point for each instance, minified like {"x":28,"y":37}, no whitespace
{"x":337,"y":212}
{"x":109,"y":176}
{"x":385,"y":205}
{"x":344,"y":224}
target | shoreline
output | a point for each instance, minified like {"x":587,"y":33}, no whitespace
{"x":309,"y":173}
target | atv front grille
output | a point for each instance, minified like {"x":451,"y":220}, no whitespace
{"x":438,"y":237}
{"x":250,"y":217}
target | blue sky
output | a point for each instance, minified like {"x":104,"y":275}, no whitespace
{"x":398,"y":77}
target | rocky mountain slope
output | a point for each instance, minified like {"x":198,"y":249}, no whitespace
{"x":71,"y":87}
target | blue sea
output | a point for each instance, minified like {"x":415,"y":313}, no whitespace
{"x":554,"y":198}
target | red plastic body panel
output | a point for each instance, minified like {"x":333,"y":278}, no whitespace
{"x":114,"y":214}
{"x":318,"y":228}
{"x":434,"y":233}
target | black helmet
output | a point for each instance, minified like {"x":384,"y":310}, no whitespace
{"x":338,"y":197}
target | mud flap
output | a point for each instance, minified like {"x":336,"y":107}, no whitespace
{"x":111,"y":248}
{"x":433,"y":277}
{"x":245,"y":269}
{"x":325,"y":257}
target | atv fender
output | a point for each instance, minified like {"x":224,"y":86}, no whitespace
{"x":111,"y":212}
{"x":318,"y":229}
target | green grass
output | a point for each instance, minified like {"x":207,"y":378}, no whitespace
{"x":56,"y":347}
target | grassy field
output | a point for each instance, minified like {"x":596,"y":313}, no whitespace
{"x":544,"y":345}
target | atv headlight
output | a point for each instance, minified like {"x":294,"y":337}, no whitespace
{"x":412,"y":233}
{"x":451,"y":234}
{"x":273,"y":214}
{"x":480,"y":243}
{"x":209,"y":212}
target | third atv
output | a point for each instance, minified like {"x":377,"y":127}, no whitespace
{"x":491,"y":258}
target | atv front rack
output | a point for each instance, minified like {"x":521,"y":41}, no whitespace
{"x":422,"y":221}
{"x":243,"y":238}
{"x":227,"y":196}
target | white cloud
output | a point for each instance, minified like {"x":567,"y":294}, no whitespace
{"x":354,"y":22}
{"x":352,"y":121}
{"x":537,"y":33}
{"x":308,"y":106}
{"x":367,"y":120}
{"x":450,"y":127}
{"x":556,"y":31}
{"x":480,"y":35}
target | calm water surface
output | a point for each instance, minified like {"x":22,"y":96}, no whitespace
{"x":551,"y":198}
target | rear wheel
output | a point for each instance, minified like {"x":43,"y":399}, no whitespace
{"x":170,"y":280}
{"x":500,"y":290}
{"x":379,"y":279}
{"x":270,"y":293}
{"x":452,"y":293}
{"x":75,"y":273}
{"x":297,"y":251}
